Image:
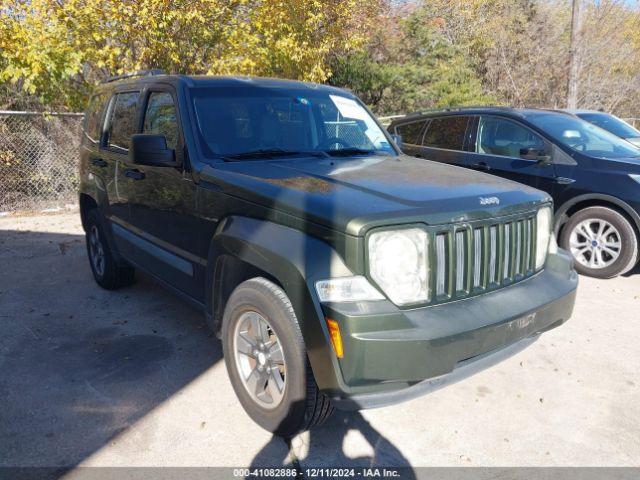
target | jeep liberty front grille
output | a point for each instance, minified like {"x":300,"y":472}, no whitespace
{"x":468,"y":259}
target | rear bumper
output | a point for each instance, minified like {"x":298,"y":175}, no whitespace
{"x":392,"y":355}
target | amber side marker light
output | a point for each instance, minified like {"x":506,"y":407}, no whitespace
{"x":336,"y":338}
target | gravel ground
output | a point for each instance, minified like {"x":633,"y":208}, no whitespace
{"x":133,"y":378}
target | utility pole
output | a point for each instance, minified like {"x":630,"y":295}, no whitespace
{"x":574,"y":49}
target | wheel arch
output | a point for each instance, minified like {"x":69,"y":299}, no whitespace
{"x":244,"y":248}
{"x":595,"y":200}
{"x":87,"y":203}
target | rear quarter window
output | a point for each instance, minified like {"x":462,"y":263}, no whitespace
{"x":93,"y":117}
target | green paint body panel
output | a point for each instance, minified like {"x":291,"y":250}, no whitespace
{"x":306,"y":219}
{"x":387,"y":348}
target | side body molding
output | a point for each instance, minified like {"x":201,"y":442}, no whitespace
{"x":296,"y":260}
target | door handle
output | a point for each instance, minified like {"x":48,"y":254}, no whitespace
{"x":98,"y":162}
{"x":134,"y":174}
{"x":481,"y":166}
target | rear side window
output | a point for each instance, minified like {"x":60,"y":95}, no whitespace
{"x":93,"y":124}
{"x":123,"y":122}
{"x":161,"y":118}
{"x":446,"y":132}
{"x":411,"y":132}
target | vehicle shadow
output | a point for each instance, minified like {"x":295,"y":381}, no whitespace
{"x":81,"y":365}
{"x":326,"y":446}
{"x":634,"y":271}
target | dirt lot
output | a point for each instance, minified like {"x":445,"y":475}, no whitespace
{"x":90,"y":377}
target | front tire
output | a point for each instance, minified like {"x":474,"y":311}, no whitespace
{"x":267,"y":361}
{"x":602,"y":241}
{"x":107,"y":273}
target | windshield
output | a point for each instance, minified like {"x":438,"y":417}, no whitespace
{"x":611,"y":124}
{"x":240,"y":123}
{"x":583,"y":137}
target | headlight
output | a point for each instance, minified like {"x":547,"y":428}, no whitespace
{"x":398,"y":264}
{"x":543,"y":235}
{"x":635,"y":177}
{"x":347,"y":289}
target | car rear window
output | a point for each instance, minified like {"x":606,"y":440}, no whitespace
{"x":446,"y":132}
{"x":123,"y":119}
{"x":93,"y":124}
{"x":411,"y":132}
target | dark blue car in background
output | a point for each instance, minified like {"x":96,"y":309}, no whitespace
{"x":592,"y":174}
{"x":610,"y":123}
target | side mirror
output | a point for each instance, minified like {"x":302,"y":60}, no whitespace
{"x":152,"y":150}
{"x":540,"y":155}
{"x":397,"y":138}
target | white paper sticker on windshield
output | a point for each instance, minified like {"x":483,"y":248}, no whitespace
{"x":349,"y":108}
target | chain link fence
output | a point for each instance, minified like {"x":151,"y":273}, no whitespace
{"x":38,"y":160}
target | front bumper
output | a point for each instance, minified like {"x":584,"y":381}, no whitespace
{"x":392,"y":355}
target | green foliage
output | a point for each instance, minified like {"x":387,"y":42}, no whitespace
{"x":417,"y":67}
{"x":398,"y":56}
{"x":58,"y":50}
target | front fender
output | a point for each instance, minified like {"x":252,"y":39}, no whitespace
{"x":560,"y":215}
{"x":296,"y":260}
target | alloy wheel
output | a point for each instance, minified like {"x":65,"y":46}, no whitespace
{"x":595,"y":243}
{"x":96,"y":251}
{"x":259,"y":359}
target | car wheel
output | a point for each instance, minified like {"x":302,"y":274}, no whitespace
{"x":267,"y":360}
{"x":603,"y":242}
{"x":106,"y":271}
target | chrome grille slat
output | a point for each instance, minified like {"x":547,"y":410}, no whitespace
{"x":460,"y":260}
{"x":507,"y":250}
{"x":527,"y":248}
{"x":441,"y":266}
{"x":518,"y":247}
{"x":493,"y":248}
{"x":477,"y":256}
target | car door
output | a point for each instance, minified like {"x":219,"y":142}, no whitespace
{"x":411,"y":136}
{"x":445,"y":139}
{"x":121,"y":121}
{"x":163,"y":203}
{"x":508,"y":148}
{"x":100,"y":171}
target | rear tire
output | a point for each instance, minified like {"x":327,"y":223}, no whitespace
{"x":602,"y":241}
{"x":107,"y":273}
{"x":264,"y":350}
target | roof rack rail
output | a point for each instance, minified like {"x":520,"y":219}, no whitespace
{"x":139,"y":73}
{"x":457,"y":109}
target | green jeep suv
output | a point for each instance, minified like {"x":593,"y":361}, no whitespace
{"x":337,"y":271}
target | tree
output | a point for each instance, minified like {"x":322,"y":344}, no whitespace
{"x":59,"y":49}
{"x":409,"y":64}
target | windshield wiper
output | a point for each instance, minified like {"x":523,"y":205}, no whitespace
{"x":350,"y":151}
{"x":269,"y":153}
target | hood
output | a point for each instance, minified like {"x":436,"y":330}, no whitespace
{"x":354,"y":194}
